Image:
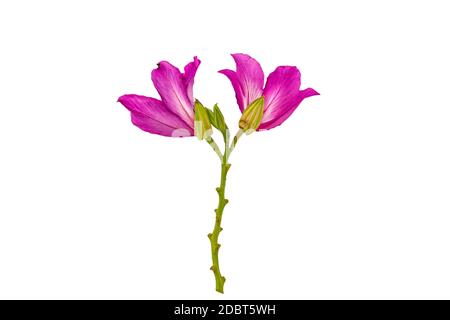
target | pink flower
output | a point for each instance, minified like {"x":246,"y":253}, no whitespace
{"x":173,"y":115}
{"x":281,"y":92}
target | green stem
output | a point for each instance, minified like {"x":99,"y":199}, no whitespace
{"x":215,"y":147}
{"x":214,"y":236}
{"x":235,"y":140}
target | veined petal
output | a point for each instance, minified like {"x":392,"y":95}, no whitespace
{"x":170,"y":84}
{"x":153,"y":116}
{"x":247,"y":80}
{"x":281,"y":91}
{"x":188,"y":78}
{"x":288,"y":108}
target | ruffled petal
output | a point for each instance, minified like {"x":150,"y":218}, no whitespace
{"x":188,"y":78}
{"x":247,"y":80}
{"x":170,"y":84}
{"x":153,"y":116}
{"x":278,"y":117}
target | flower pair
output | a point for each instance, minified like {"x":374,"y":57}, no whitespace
{"x":178,"y":114}
{"x":175,"y":116}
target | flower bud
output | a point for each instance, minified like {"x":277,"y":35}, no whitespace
{"x":252,"y":116}
{"x":220,"y":121}
{"x":202,"y":125}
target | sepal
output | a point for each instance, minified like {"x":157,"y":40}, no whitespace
{"x":252,"y":116}
{"x":202,"y":123}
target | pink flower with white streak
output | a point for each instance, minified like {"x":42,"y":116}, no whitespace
{"x":281,"y":92}
{"x":173,"y":115}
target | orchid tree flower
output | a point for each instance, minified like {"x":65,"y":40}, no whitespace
{"x":173,"y":115}
{"x":178,"y":114}
{"x":281,"y":94}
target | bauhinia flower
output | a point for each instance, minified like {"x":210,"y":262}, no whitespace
{"x":281,"y":92}
{"x":173,"y":115}
{"x":178,"y":114}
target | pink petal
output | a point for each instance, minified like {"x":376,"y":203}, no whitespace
{"x":247,"y":80}
{"x":285,"y":112}
{"x":153,"y":116}
{"x":170,"y":84}
{"x":236,"y":86}
{"x":280,"y":91}
{"x":188,"y":78}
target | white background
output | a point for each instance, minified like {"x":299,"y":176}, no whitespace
{"x":349,"y":198}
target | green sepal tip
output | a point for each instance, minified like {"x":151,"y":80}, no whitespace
{"x":202,"y":123}
{"x":252,"y":116}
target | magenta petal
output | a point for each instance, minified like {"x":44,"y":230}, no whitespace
{"x":283,"y":113}
{"x":188,"y":78}
{"x":170,"y":84}
{"x":280,"y":91}
{"x":308,"y":92}
{"x":236,"y":86}
{"x":153,"y":116}
{"x":247,"y":81}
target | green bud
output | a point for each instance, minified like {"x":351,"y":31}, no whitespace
{"x":202,"y":124}
{"x":217,"y":119}
{"x":220,"y":121}
{"x":211,"y":116}
{"x":252,"y":116}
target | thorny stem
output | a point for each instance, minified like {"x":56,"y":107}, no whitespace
{"x":214,"y":236}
